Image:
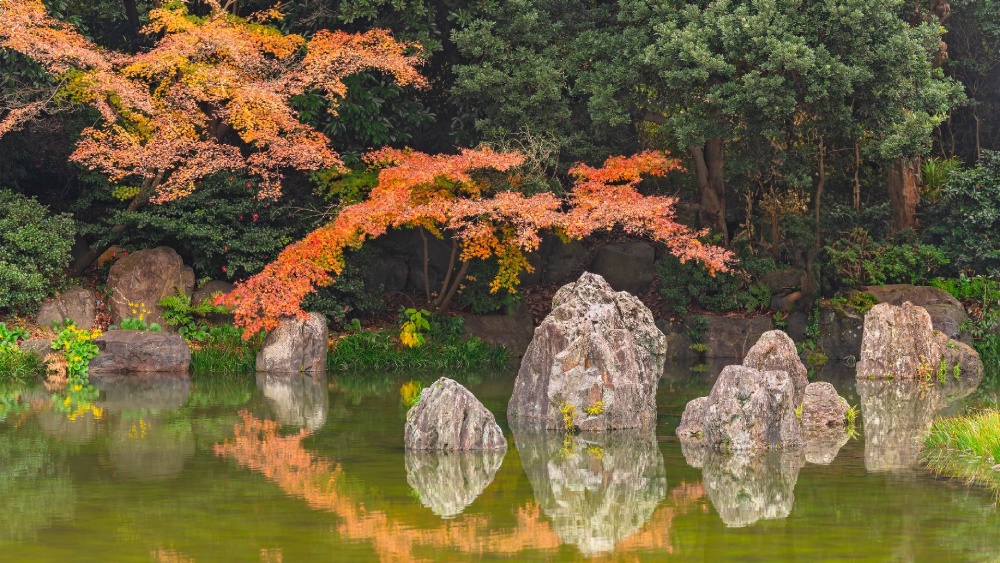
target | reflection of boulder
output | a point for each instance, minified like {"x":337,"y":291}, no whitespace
{"x":296,"y":400}
{"x":745,"y":488}
{"x":150,"y":448}
{"x":162,"y":392}
{"x":897,"y":415}
{"x":449,"y":481}
{"x":824,"y":443}
{"x":596,"y":489}
{"x":77,"y":431}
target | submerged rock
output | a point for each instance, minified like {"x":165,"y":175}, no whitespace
{"x":448,"y":482}
{"x":595,"y":488}
{"x":776,"y":351}
{"x":747,"y":410}
{"x":900,"y":343}
{"x":448,"y":417}
{"x":746,"y":488}
{"x":296,"y":346}
{"x":593,"y":363}
{"x":124,"y":351}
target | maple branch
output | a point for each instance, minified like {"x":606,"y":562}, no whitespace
{"x":427,"y":260}
{"x":451,"y":269}
{"x":454,"y":287}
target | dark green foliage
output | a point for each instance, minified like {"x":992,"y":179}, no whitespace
{"x":856,"y":260}
{"x":445,"y":348}
{"x":34,"y":251}
{"x":690,"y":284}
{"x":225,"y":351}
{"x":222,"y":229}
{"x":349,"y":297}
{"x":476,"y":296}
{"x":981,"y":297}
{"x":190,"y":319}
{"x":965,"y":222}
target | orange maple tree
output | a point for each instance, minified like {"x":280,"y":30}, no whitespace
{"x":445,"y":194}
{"x":214,"y":94}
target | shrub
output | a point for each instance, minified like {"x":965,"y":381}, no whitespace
{"x":965,"y":221}
{"x":981,"y":297}
{"x":34,"y":251}
{"x":966,"y":447}
{"x":857,"y":260}
{"x":689,"y":283}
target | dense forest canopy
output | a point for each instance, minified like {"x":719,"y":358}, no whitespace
{"x":798,"y":123}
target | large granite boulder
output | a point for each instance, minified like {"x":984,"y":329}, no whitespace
{"x":448,"y":482}
{"x":76,"y":303}
{"x":732,"y":337}
{"x":593,"y":363}
{"x":776,"y":351}
{"x":747,"y":410}
{"x":947,"y":313}
{"x":139,"y":280}
{"x":128,"y":351}
{"x":900,"y":342}
{"x":449,"y":418}
{"x":296,"y":346}
{"x":745,"y":488}
{"x":595,"y":488}
{"x":822,"y":407}
{"x":626,"y":266}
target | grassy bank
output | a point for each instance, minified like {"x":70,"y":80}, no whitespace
{"x":966,"y":448}
{"x":380,"y":351}
{"x":225,"y":351}
{"x":19,"y":366}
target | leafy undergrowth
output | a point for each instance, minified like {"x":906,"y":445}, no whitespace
{"x":380,"y":350}
{"x":225,"y":351}
{"x":967,"y":448}
{"x":18,"y":366}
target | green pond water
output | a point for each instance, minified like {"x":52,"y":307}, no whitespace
{"x":279,"y":469}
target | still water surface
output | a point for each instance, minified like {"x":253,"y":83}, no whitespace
{"x":169,"y":470}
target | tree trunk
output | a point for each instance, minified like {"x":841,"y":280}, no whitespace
{"x":820,"y":185}
{"x":709,"y":163}
{"x":857,"y":177}
{"x":904,"y":193}
{"x":132,"y":13}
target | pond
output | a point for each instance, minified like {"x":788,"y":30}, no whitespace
{"x":272,"y":469}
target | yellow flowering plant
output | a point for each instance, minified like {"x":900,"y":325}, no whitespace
{"x":77,"y":348}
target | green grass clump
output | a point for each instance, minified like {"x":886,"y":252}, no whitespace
{"x":378,"y":350}
{"x":967,"y":448}
{"x":225,"y":351}
{"x":19,"y":366}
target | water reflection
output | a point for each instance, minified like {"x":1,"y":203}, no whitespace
{"x":897,"y":415}
{"x":745,"y":488}
{"x":165,"y":392}
{"x":36,"y":488}
{"x":300,"y":400}
{"x":596,"y":489}
{"x":823,"y":443}
{"x":447,"y":482}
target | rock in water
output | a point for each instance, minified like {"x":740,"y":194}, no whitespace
{"x":123,"y":351}
{"x":900,"y":342}
{"x":747,"y":410}
{"x":448,"y":417}
{"x":776,"y":351}
{"x":447,"y":482}
{"x":823,"y":407}
{"x":142,"y":278}
{"x":593,"y":363}
{"x":76,"y":303}
{"x":296,"y":346}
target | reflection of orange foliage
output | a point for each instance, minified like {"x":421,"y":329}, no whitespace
{"x":282,"y":459}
